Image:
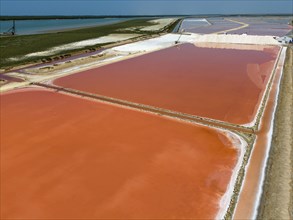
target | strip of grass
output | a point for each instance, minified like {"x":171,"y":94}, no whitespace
{"x":17,"y":46}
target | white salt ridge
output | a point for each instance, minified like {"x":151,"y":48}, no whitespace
{"x":84,"y":43}
{"x":193,"y":23}
{"x":169,"y":40}
{"x":148,"y":45}
{"x":195,"y":20}
{"x":236,"y":39}
{"x":239,"y":143}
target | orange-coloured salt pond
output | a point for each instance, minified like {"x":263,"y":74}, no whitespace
{"x":249,"y":198}
{"x":67,"y":157}
{"x":222,"y":84}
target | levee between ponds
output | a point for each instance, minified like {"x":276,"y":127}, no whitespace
{"x":151,"y":109}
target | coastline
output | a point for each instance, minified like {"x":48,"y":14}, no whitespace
{"x":78,"y":28}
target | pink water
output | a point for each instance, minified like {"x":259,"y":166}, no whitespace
{"x":221,"y":84}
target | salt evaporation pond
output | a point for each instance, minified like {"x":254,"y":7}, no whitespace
{"x":217,"y":83}
{"x":191,"y":24}
{"x":256,"y":26}
{"x":214,"y":25}
{"x":264,"y":27}
{"x":64,"y":157}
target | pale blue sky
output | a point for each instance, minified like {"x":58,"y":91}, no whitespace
{"x":143,"y":7}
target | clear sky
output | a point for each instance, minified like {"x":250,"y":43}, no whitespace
{"x":143,"y":7}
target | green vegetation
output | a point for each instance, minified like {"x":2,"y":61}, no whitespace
{"x":17,"y":46}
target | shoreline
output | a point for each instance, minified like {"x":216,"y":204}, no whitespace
{"x":53,"y":31}
{"x":65,"y":29}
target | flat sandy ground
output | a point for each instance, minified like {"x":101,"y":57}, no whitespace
{"x":277,"y":198}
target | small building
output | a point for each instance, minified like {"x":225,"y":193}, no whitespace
{"x":285,"y":40}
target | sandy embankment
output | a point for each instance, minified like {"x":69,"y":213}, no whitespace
{"x":80,"y":44}
{"x":276,"y":202}
{"x":159,"y":24}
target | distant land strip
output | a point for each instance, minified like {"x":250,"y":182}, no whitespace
{"x":51,"y":17}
